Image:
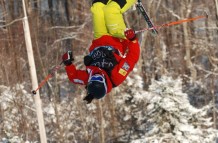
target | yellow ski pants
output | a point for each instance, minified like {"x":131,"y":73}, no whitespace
{"x":108,"y":19}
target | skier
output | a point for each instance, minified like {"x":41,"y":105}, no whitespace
{"x":113,"y":52}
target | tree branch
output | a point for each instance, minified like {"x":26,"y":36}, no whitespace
{"x":6,"y":25}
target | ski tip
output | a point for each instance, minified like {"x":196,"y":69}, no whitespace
{"x":34,"y":92}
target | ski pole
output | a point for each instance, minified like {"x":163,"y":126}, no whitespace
{"x":146,"y":17}
{"x":172,"y":23}
{"x":51,"y":74}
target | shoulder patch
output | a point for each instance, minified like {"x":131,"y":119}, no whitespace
{"x":126,"y":66}
{"x":122,"y":72}
{"x":78,"y":81}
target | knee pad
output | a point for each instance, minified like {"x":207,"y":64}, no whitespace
{"x":120,"y":2}
{"x":102,"y":1}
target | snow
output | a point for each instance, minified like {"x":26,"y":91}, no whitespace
{"x":161,"y":114}
{"x":50,"y":109}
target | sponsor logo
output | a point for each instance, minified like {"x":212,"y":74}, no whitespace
{"x":122,"y":72}
{"x":126,"y":66}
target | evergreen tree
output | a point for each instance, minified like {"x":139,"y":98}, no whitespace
{"x":171,"y":118}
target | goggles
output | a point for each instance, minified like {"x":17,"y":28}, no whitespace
{"x":99,"y":78}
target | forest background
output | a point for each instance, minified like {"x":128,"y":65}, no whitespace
{"x":188,"y":51}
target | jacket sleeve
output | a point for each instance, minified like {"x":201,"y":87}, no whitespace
{"x":77,"y":76}
{"x":126,"y":65}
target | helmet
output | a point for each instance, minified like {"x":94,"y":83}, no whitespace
{"x":97,"y":86}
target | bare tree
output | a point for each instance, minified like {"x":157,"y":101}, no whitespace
{"x":216,"y":5}
{"x":34,"y":76}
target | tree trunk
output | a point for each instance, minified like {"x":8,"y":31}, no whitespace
{"x":187,"y":58}
{"x":214,"y":100}
{"x":34,"y":76}
{"x":111,"y":107}
{"x":216,"y":5}
{"x":101,"y":118}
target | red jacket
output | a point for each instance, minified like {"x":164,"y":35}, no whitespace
{"x":120,"y":71}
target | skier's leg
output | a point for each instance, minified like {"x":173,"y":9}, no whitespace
{"x":99,"y":26}
{"x":113,"y":16}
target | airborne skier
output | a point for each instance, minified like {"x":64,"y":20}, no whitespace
{"x":108,"y":62}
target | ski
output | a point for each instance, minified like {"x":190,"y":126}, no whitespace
{"x":147,"y":19}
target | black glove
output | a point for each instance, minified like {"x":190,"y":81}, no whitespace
{"x":88,"y":60}
{"x":130,"y":34}
{"x":67,"y":58}
{"x":89,"y":98}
